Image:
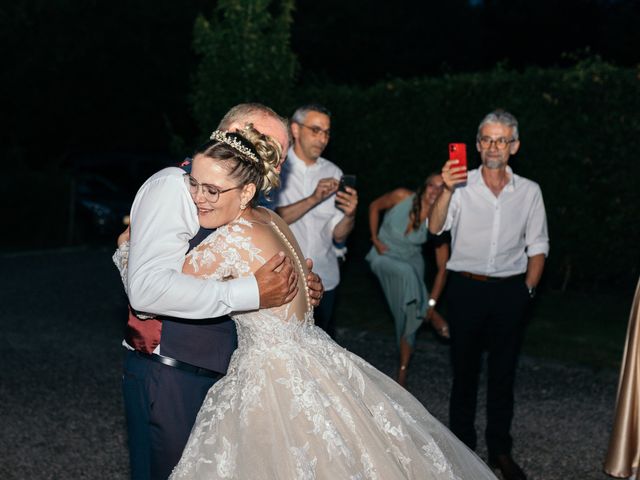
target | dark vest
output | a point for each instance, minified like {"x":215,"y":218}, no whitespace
{"x":205,"y":343}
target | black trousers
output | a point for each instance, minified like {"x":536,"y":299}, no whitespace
{"x":161,"y":405}
{"x":323,"y":313}
{"x":485,"y":316}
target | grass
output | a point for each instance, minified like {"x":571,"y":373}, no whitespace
{"x":576,"y":328}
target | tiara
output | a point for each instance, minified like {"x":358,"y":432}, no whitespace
{"x":235,"y":143}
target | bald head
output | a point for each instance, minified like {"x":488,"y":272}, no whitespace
{"x":263,"y":118}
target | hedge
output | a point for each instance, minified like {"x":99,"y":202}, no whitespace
{"x":579,"y":129}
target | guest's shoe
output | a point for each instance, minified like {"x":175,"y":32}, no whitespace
{"x":439,"y":325}
{"x":508,"y":467}
{"x":402,"y":376}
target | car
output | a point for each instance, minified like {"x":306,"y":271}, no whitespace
{"x":101,"y":209}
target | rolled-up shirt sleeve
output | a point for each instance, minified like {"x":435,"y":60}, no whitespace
{"x":163,"y":220}
{"x":536,"y":233}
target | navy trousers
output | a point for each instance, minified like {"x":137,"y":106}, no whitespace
{"x":323,"y":314}
{"x":485,"y":316}
{"x":161,"y":405}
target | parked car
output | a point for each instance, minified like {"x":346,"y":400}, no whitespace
{"x":102,"y":208}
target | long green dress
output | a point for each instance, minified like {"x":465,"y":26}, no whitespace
{"x":400,"y":269}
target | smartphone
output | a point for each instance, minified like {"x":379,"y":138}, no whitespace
{"x":347,"y":181}
{"x":458,"y":151}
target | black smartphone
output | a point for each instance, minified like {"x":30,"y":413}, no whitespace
{"x":347,"y":181}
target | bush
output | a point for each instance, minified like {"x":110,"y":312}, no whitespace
{"x":245,"y":56}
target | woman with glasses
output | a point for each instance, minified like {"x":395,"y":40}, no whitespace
{"x":396,"y":259}
{"x":293,"y":404}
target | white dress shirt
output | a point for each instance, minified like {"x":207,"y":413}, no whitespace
{"x":494,"y":235}
{"x":163,"y":220}
{"x":314,"y":230}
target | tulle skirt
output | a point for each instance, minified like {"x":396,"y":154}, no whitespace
{"x":310,"y":409}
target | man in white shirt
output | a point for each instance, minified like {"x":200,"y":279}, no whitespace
{"x":499,"y":242}
{"x":309,"y":201}
{"x":172,"y":363}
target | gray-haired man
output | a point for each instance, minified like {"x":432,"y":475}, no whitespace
{"x":499,"y":242}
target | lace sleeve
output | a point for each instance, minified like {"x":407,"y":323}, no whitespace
{"x":121,"y":260}
{"x":227,"y":253}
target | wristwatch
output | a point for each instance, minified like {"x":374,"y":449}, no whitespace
{"x":532,"y":291}
{"x":432,"y":302}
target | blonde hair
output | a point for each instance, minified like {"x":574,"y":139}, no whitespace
{"x":250,"y":157}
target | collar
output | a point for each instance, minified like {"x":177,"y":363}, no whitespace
{"x":297,"y":163}
{"x":509,"y":187}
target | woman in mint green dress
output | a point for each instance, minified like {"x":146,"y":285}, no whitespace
{"x":396,"y":259}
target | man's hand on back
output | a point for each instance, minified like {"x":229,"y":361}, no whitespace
{"x":277,"y":281}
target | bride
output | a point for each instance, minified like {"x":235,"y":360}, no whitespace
{"x":294,"y":404}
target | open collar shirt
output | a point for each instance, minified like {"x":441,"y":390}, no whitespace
{"x":314,"y":230}
{"x":495,"y":235}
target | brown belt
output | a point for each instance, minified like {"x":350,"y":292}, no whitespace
{"x":486,"y":278}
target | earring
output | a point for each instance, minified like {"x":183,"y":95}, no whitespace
{"x":243,"y":206}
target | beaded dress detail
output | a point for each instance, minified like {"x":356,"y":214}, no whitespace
{"x":294,"y":405}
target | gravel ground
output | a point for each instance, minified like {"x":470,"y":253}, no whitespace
{"x":60,"y":405}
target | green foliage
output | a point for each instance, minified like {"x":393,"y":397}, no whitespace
{"x":578,"y":128}
{"x":245,"y":56}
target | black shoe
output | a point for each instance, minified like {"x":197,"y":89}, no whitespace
{"x":510,"y":470}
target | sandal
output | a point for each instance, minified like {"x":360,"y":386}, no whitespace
{"x":402,"y":376}
{"x":439,"y":325}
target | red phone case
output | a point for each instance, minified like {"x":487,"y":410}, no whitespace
{"x":458,"y":151}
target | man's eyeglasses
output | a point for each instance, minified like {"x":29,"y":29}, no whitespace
{"x":316,"y":130}
{"x":500,"y":143}
{"x":211,"y":193}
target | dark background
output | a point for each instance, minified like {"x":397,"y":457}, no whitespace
{"x":102,"y":89}
{"x":98,"y":75}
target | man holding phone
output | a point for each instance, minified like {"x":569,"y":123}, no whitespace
{"x":499,"y":242}
{"x":317,"y":201}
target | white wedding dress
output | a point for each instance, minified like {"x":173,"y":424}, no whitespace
{"x":294,"y":405}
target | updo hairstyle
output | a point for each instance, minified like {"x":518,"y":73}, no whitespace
{"x":242,"y":168}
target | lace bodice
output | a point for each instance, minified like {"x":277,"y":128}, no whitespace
{"x":232,"y":251}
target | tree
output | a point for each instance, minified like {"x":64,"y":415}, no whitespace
{"x":245,"y":56}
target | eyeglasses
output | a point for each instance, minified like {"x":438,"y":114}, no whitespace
{"x":317,"y":130}
{"x":500,"y":143}
{"x":211,"y":193}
